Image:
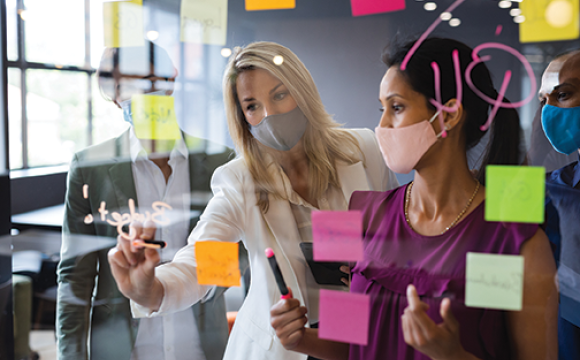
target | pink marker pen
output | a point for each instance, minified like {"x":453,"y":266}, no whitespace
{"x":277,"y":274}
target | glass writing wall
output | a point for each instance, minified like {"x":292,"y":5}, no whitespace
{"x":121,"y":120}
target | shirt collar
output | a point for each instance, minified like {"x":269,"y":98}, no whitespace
{"x":138,"y":152}
{"x":292,"y":196}
{"x":576,"y":178}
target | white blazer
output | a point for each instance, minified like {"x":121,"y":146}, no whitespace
{"x":232,"y":215}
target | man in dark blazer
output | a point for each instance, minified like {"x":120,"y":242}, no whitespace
{"x":93,"y":318}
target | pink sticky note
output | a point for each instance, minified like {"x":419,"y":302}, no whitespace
{"x":337,"y":235}
{"x":368,"y":7}
{"x":344,"y":317}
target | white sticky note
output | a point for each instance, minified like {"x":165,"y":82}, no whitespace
{"x":494,"y":281}
{"x":204,"y":21}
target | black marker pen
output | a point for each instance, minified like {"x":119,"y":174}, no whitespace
{"x":151,"y":244}
{"x":277,"y":274}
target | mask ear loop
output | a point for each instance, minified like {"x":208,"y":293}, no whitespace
{"x":458,"y":90}
{"x":433,"y":119}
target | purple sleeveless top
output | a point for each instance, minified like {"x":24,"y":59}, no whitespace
{"x":396,"y":256}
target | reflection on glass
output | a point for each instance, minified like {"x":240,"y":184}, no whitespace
{"x":55,"y":33}
{"x":107,"y":119}
{"x":56,"y":106}
{"x":14,"y":118}
{"x":11,"y":30}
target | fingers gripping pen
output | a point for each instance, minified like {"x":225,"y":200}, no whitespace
{"x":277,"y":274}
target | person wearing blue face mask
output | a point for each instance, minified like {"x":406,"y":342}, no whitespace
{"x":127,"y":175}
{"x":561,"y":124}
{"x":541,"y":152}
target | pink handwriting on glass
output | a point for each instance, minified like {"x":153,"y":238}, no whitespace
{"x":498,"y":102}
{"x":120,"y":220}
{"x":337,"y":235}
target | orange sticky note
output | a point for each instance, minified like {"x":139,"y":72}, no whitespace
{"x":217,"y":263}
{"x":252,"y":5}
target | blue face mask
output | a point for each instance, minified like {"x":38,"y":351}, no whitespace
{"x":562,"y":128}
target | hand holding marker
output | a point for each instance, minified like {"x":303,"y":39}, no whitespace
{"x":286,"y":294}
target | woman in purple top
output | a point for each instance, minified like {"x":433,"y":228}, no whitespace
{"x":416,"y":237}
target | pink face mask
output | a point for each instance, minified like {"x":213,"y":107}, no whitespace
{"x":402,"y":148}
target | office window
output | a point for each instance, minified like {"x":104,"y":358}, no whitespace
{"x":12,"y":50}
{"x":15,"y":116}
{"x":55,"y":106}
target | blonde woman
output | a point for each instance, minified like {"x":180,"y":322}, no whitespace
{"x":294,"y":159}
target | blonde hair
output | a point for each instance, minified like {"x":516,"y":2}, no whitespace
{"x":324,"y":142}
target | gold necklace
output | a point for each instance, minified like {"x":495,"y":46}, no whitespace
{"x":408,"y":201}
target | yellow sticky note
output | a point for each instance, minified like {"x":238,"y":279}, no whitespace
{"x":123,"y":23}
{"x":549,"y":20}
{"x":204,"y":21}
{"x":154,"y":117}
{"x":515,"y":193}
{"x":494,"y":281}
{"x":252,"y":5}
{"x":217,"y":263}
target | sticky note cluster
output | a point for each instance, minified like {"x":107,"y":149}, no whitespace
{"x":337,"y":235}
{"x":217,"y":263}
{"x":549,"y":20}
{"x":204,"y":21}
{"x":515,"y":193}
{"x":123,"y":23}
{"x":494,"y":281}
{"x":344,"y":317}
{"x":369,"y":7}
{"x":154,"y":117}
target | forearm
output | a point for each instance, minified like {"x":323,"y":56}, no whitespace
{"x":312,"y":345}
{"x":152,"y":300}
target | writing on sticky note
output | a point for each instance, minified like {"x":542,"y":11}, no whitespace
{"x":154,"y":117}
{"x":337,"y":235}
{"x":515,"y":193}
{"x":369,"y":7}
{"x":252,"y":5}
{"x":123,"y":23}
{"x":217,"y":263}
{"x":549,"y":20}
{"x":494,"y":281}
{"x":204,"y":21}
{"x":344,"y":317}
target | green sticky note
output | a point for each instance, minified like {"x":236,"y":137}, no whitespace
{"x":494,"y":281}
{"x":154,"y":117}
{"x":204,"y":21}
{"x":515,"y":193}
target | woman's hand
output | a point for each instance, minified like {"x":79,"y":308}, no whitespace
{"x":438,"y":341}
{"x":345,"y":269}
{"x":288,"y":318}
{"x":133,"y":267}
